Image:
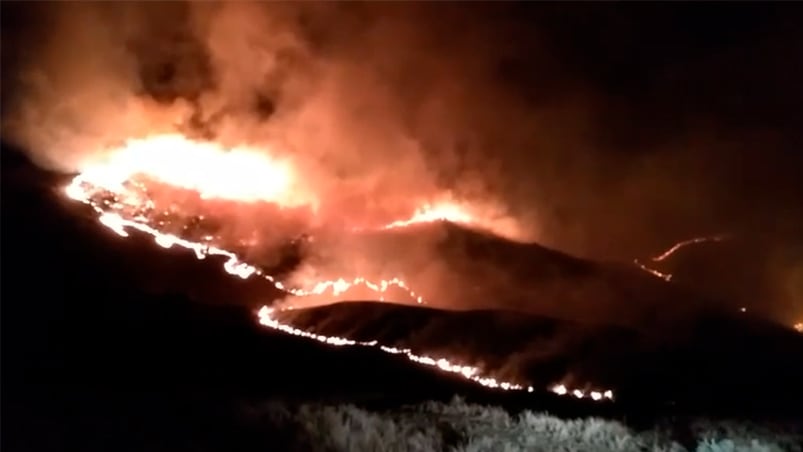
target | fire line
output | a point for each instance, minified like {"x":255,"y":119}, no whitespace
{"x":106,"y":189}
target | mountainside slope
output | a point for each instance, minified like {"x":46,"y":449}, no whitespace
{"x":82,"y":306}
{"x":460,"y":268}
{"x":719,"y":362}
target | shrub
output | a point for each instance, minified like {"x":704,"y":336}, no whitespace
{"x":461,"y":427}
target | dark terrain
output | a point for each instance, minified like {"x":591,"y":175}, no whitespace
{"x":104,"y":338}
{"x":725,"y":365}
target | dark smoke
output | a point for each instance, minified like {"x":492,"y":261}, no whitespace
{"x":607,"y":131}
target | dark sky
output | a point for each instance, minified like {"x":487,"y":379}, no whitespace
{"x":615,"y":129}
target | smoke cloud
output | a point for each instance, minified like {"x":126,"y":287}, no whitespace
{"x":384,"y":105}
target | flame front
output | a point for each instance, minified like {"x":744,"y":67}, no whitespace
{"x":112,"y":189}
{"x":674,"y":248}
{"x":240,"y":174}
{"x":428,"y":213}
{"x":267,"y":318}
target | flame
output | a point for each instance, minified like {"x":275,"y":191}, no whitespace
{"x":429,"y":213}
{"x":682,"y":244}
{"x":561,"y":389}
{"x":658,"y":274}
{"x":685,"y":243}
{"x":239,"y":174}
{"x":243,"y":175}
{"x":674,"y":248}
{"x":266,"y":318}
{"x":233,"y":265}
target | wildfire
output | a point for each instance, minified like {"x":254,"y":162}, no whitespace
{"x":561,"y":389}
{"x":112,"y":190}
{"x":685,"y":243}
{"x":267,"y":318}
{"x":674,"y":248}
{"x":428,"y":213}
{"x":658,"y":274}
{"x":239,"y":174}
{"x":799,"y":327}
{"x":233,"y":265}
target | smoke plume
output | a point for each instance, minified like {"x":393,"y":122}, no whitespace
{"x":384,"y":105}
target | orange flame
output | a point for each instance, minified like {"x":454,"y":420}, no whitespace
{"x":428,"y":213}
{"x":239,"y":174}
{"x":673,"y":249}
{"x":267,"y":318}
{"x":658,"y":274}
{"x":685,"y":243}
{"x":246,"y":176}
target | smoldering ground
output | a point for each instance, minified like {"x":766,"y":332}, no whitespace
{"x":611,"y":136}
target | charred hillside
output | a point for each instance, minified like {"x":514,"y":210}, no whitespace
{"x":464,"y":268}
{"x":719,"y":362}
{"x":84,"y":309}
{"x":87,"y":315}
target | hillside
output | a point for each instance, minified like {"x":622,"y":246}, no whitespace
{"x":85,"y":312}
{"x":734,"y":364}
{"x":459,"y":268}
{"x":82,"y":307}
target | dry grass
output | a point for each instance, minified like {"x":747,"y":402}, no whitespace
{"x":461,"y":427}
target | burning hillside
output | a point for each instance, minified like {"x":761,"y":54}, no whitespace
{"x":189,"y":194}
{"x":717,"y":364}
{"x":581,"y":209}
{"x":324,"y":119}
{"x":211,"y":206}
{"x":122,"y":202}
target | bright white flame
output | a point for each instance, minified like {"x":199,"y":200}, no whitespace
{"x":559,"y":389}
{"x":239,"y":174}
{"x":596,"y":395}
